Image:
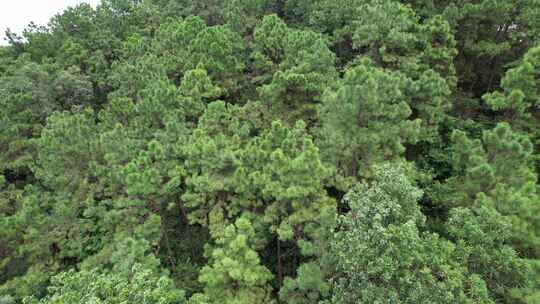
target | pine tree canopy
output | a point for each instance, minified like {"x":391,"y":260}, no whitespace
{"x":268,"y":152}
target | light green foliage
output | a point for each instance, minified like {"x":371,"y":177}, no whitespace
{"x":134,"y":279}
{"x":198,"y":85}
{"x":382,"y":257}
{"x":179,"y":49}
{"x":210,"y":157}
{"x":234,"y":273}
{"x":155,"y":151}
{"x":94,"y":287}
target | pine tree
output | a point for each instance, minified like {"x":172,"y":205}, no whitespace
{"x":392,"y":35}
{"x":367,"y":120}
{"x":234,"y":273}
{"x":494,"y":187}
{"x":135,"y":134}
{"x":293,"y":67}
{"x":519,"y":102}
{"x":499,"y":167}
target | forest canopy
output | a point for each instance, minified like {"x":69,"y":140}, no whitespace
{"x":272,"y":151}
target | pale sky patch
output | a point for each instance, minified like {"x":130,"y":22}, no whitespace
{"x":17,"y":14}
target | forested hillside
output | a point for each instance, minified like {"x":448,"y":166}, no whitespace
{"x":272,"y":151}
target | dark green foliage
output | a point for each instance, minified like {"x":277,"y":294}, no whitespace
{"x":495,"y":191}
{"x":367,"y":120}
{"x":292,"y":68}
{"x":519,"y":103}
{"x":481,"y":234}
{"x":255,"y":151}
{"x":30,"y":93}
{"x":497,"y":169}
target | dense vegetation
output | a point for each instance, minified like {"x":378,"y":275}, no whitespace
{"x":286,"y":151}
